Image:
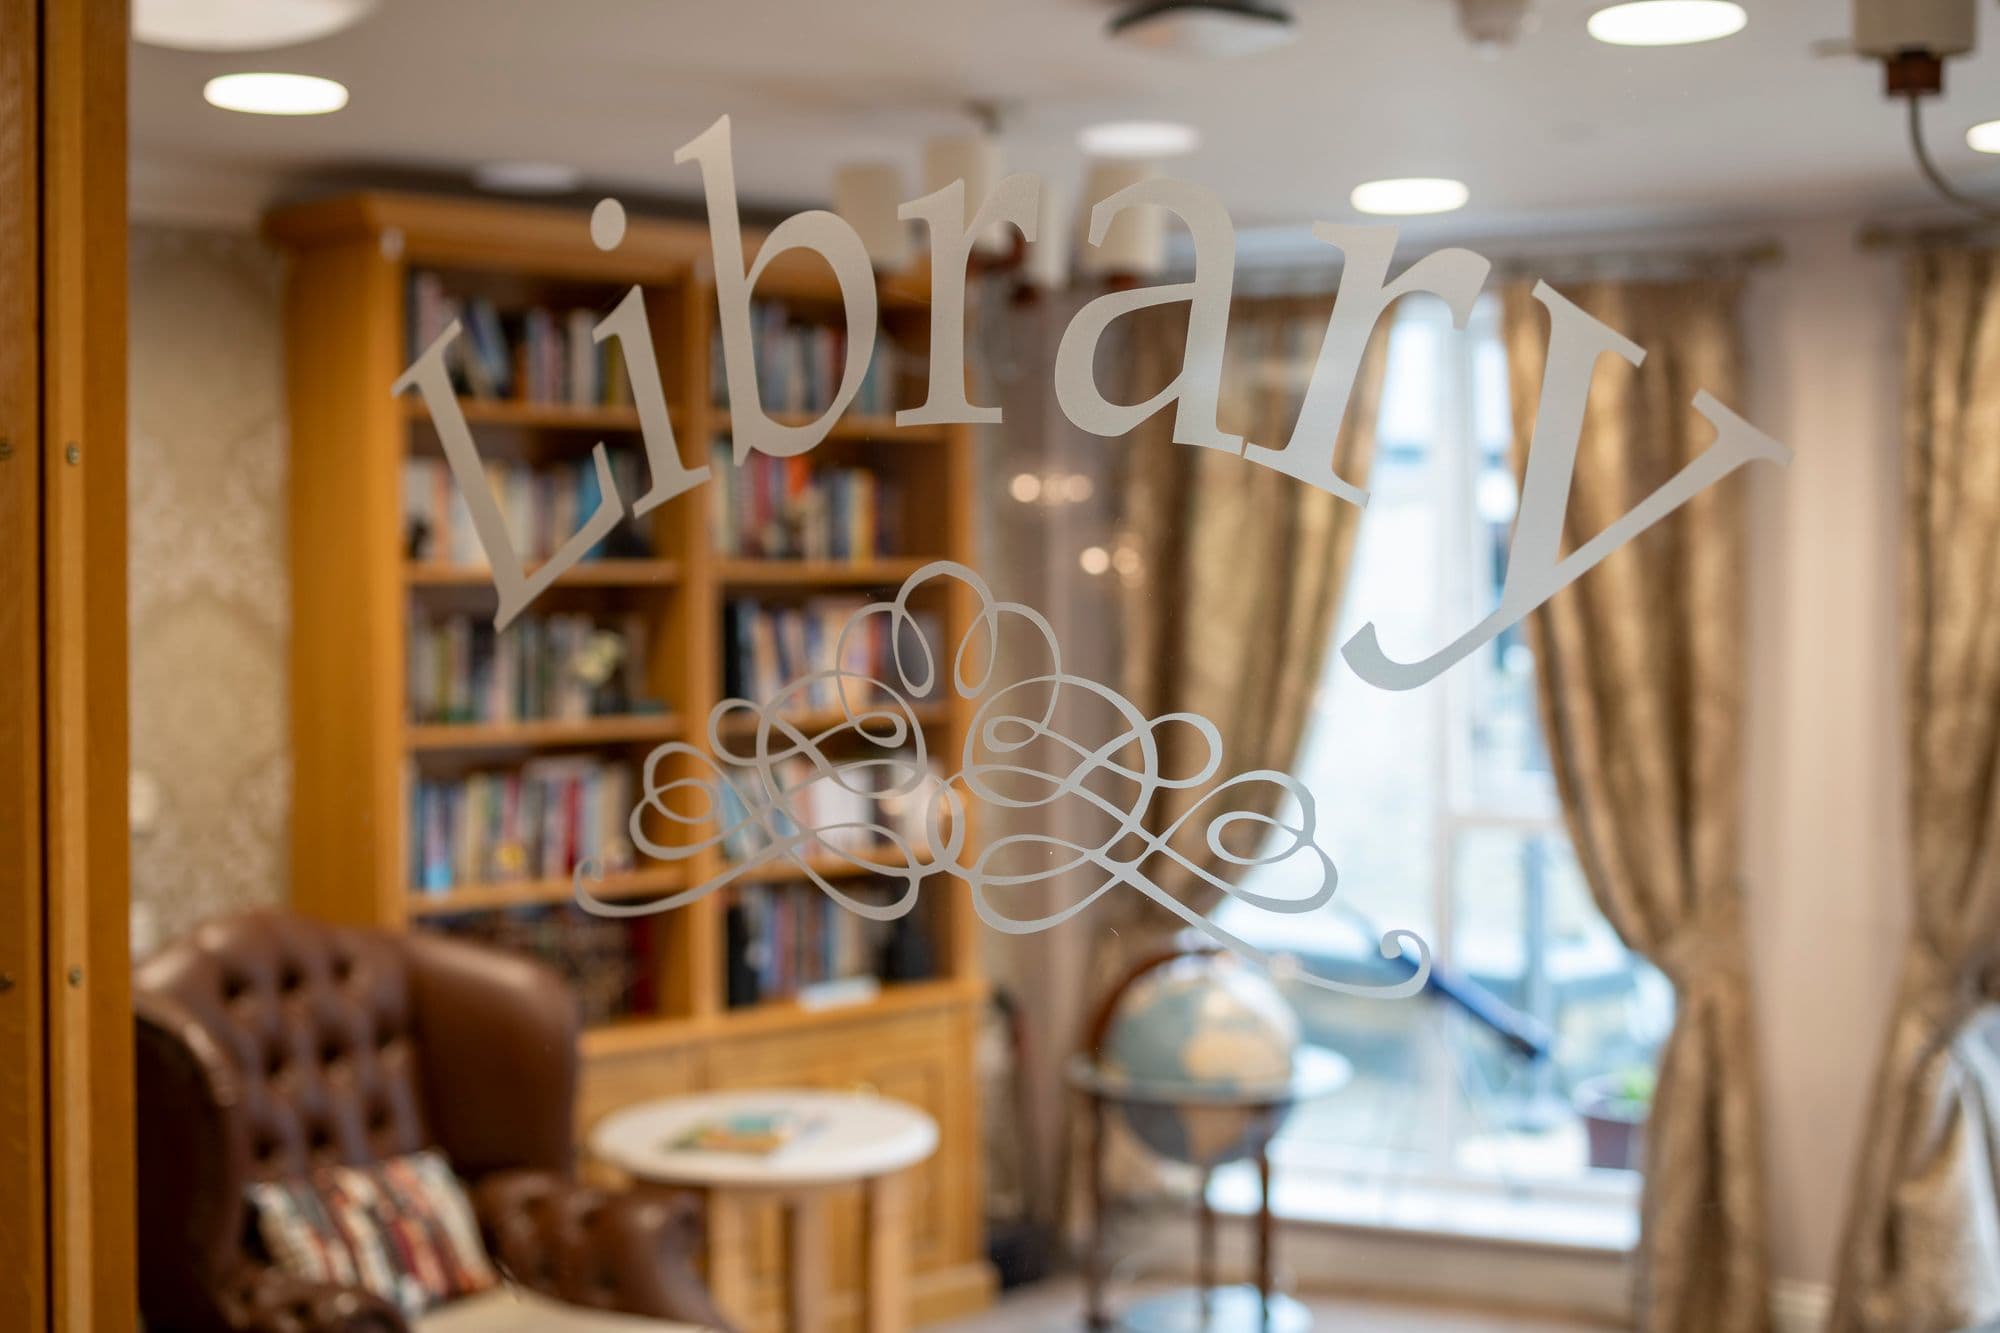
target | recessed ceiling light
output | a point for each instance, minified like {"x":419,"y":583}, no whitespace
{"x":275,"y":94}
{"x":241,"y":25}
{"x":1984,"y":138}
{"x":1409,"y":195}
{"x":1139,"y":139}
{"x":1667,"y":22}
{"x":527,"y":177}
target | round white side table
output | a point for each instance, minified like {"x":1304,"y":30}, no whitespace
{"x":847,"y":1139}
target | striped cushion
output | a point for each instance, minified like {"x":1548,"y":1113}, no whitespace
{"x":401,"y":1229}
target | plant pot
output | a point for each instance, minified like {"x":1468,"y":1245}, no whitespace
{"x":1614,"y":1124}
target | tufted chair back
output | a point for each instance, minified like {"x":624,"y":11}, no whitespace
{"x":268,"y":1044}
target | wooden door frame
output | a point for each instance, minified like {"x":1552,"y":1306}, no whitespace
{"x":66,"y":1132}
{"x":24,"y":1253}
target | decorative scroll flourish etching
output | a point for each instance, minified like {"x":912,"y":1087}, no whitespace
{"x":745,"y":790}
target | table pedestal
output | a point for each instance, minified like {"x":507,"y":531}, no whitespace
{"x":885,"y":1291}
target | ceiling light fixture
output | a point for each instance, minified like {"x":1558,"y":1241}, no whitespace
{"x":1409,"y":195}
{"x":1493,"y":25}
{"x":241,"y":25}
{"x":1984,"y":138}
{"x":1139,"y":140}
{"x":1667,"y":22}
{"x":1207,"y":29}
{"x":527,"y":177}
{"x":266,"y":94}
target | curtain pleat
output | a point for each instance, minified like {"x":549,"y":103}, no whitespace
{"x":1640,"y":678}
{"x":1922,"y":1247}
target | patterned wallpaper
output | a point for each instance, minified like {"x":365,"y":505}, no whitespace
{"x":210,"y":612}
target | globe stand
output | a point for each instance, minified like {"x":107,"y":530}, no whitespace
{"x":1206,"y":1308}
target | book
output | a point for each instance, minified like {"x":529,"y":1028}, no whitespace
{"x":562,"y":667}
{"x":536,"y":354}
{"x":769,"y":646}
{"x":793,"y":509}
{"x":537,"y":821}
{"x":799,"y":364}
{"x":790,"y":941}
{"x":609,"y":965}
{"x":748,"y":1133}
{"x":542,"y":508}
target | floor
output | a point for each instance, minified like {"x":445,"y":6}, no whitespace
{"x":1057,"y":1306}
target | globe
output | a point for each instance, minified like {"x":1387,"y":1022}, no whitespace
{"x":1205,"y":1026}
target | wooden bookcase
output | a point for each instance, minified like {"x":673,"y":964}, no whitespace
{"x":355,"y":749}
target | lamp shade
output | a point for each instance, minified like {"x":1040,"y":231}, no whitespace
{"x":1136,"y":241}
{"x":1049,"y":257}
{"x":866,"y":195}
{"x":974,"y":159}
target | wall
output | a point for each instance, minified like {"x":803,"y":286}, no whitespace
{"x":209,"y":581}
{"x":1825,"y":862}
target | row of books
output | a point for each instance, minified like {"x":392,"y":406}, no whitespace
{"x":800,"y":365}
{"x":534,"y":355}
{"x":609,"y":965}
{"x":783,"y":939}
{"x":542,"y":506}
{"x":856,"y":810}
{"x":537,"y":821}
{"x":787,"y":509}
{"x":561,"y":667}
{"x":769,"y":646}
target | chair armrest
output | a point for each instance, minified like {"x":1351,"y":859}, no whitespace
{"x":607,"y":1249}
{"x":263,"y":1299}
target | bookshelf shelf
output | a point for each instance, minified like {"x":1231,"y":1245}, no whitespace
{"x":824,"y":720}
{"x":377,"y":634}
{"x":895,"y":996}
{"x":528,"y":415}
{"x":647,"y":883}
{"x":850,"y":427}
{"x":543,"y":733}
{"x":588,"y":574}
{"x":828,"y":865}
{"x":817,"y":573}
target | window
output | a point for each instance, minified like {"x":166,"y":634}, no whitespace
{"x":1439,"y":807}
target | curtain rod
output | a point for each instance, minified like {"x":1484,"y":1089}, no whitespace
{"x":1314,"y":281}
{"x":1887,"y":236}
{"x":1638,"y":261}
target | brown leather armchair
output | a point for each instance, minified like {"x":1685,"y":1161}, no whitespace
{"x":269,"y":1044}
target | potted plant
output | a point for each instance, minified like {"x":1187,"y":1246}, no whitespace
{"x":1614,"y":1108}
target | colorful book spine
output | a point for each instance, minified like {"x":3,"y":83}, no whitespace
{"x":542,"y":507}
{"x":790,"y":509}
{"x":609,"y":965}
{"x":562,"y":667}
{"x":538,"y":821}
{"x":768,"y":647}
{"x":785,"y":938}
{"x":534,"y":355}
{"x":861,"y":813}
{"x":800,"y":363}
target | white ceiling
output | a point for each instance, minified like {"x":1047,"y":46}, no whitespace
{"x":1558,"y":132}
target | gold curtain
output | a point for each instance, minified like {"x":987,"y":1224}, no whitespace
{"x":1229,"y":609}
{"x":1922,"y":1249}
{"x":1640,"y":673}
